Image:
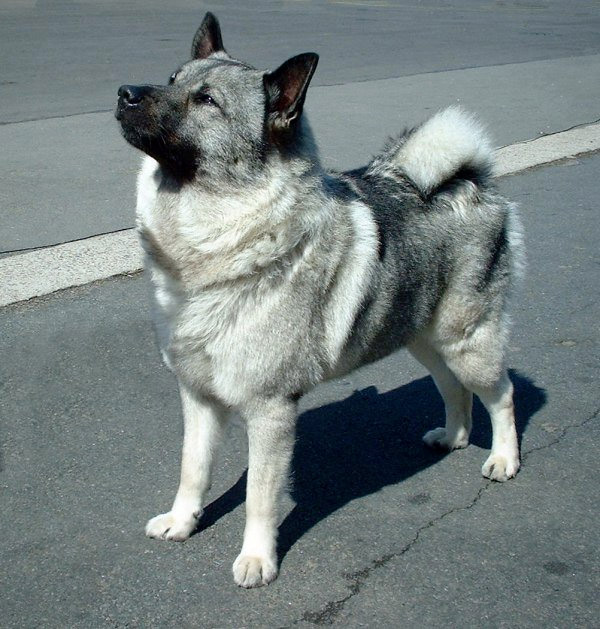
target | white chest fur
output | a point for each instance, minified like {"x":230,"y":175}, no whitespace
{"x":238,"y":281}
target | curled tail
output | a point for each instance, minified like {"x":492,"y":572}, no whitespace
{"x":450,"y":145}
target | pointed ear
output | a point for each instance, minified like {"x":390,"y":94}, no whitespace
{"x":207,"y":39}
{"x":286,"y":88}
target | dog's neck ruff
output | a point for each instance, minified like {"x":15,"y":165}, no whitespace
{"x":205,"y":237}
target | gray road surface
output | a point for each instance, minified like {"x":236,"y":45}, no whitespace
{"x":383,"y":532}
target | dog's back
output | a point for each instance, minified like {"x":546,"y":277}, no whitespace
{"x":448,"y":245}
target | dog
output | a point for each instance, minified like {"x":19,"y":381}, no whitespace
{"x":271,"y":274}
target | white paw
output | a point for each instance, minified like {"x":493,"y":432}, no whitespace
{"x":500,"y":468}
{"x":252,"y":571}
{"x":171,"y":526}
{"x":437,"y":438}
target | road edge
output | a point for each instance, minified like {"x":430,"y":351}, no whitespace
{"x":44,"y":271}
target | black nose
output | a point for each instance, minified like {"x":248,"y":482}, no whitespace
{"x":132,"y":94}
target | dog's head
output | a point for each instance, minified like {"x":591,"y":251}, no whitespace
{"x":217,"y":114}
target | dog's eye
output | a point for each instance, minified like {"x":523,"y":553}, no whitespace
{"x":204,"y":98}
{"x":172,"y":78}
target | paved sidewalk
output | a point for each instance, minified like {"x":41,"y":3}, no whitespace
{"x":383,"y":531}
{"x":90,"y":188}
{"x":65,"y":172}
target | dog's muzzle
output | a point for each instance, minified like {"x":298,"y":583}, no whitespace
{"x":131,"y":97}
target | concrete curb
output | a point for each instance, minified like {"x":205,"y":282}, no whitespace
{"x":45,"y":271}
{"x":71,"y":264}
{"x":549,"y":148}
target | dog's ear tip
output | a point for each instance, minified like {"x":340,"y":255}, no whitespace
{"x":210,"y":16}
{"x":208,"y":38}
{"x":310,"y":59}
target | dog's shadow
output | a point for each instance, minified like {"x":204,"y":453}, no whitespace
{"x":363,"y":443}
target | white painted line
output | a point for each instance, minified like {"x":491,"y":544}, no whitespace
{"x":72,"y":264}
{"x":81,"y":262}
{"x":549,"y":148}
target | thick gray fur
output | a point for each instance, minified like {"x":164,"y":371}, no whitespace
{"x":272,"y":275}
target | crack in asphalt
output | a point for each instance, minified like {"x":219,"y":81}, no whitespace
{"x":563,"y":432}
{"x":355,"y":580}
{"x":4,"y":123}
{"x":327,"y":614}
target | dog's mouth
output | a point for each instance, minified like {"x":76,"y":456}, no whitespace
{"x":135,"y":112}
{"x":120,"y":111}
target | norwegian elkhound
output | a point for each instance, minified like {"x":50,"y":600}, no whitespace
{"x":272,"y":274}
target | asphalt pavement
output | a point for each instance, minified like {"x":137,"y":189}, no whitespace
{"x":378,"y":530}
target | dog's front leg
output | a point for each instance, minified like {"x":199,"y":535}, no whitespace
{"x":203,"y":425}
{"x":271,"y":429}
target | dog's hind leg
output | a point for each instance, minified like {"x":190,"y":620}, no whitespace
{"x":204,"y":421}
{"x":271,"y":430}
{"x":477,"y":361}
{"x":457,"y":399}
{"x":503,"y":462}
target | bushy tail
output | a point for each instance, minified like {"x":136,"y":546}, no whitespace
{"x":451,"y":144}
